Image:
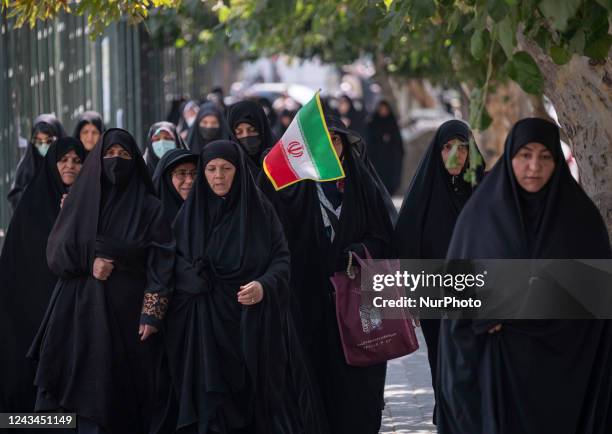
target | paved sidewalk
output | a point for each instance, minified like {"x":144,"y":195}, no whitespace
{"x":409,"y":395}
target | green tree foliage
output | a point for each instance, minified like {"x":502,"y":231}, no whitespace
{"x":99,"y":13}
{"x":473,"y":42}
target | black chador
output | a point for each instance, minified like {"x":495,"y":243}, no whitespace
{"x":385,"y":146}
{"x":323,"y":221}
{"x":200,"y":136}
{"x":162,"y":180}
{"x":32,"y":160}
{"x":92,"y":357}
{"x":26,"y":284}
{"x":232,"y":363}
{"x":529,"y":376}
{"x":255,"y":146}
{"x":429,"y":212}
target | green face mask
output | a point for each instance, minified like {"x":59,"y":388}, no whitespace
{"x":42,"y":148}
{"x":162,"y":146}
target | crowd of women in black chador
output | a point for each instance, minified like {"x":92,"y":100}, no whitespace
{"x":201,"y":302}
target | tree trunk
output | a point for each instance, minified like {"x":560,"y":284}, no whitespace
{"x":581,"y":92}
{"x":383,"y":78}
{"x":506,"y":105}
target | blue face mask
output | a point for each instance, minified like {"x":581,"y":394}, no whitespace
{"x":42,"y":148}
{"x":162,"y":146}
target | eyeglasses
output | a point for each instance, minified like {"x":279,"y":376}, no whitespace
{"x":181,"y":175}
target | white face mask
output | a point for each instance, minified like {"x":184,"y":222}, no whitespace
{"x":162,"y":146}
{"x":190,"y":120}
{"x":42,"y":148}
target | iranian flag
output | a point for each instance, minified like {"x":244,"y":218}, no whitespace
{"x":305,"y":151}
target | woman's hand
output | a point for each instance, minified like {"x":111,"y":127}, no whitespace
{"x":64,"y":196}
{"x":251,"y":293}
{"x":145,"y":330}
{"x":102,"y":268}
{"x":495,"y":329}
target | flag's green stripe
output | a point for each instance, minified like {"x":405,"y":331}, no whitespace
{"x":308,"y":149}
{"x":317,"y":139}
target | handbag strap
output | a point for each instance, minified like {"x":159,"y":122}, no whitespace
{"x":349,"y":269}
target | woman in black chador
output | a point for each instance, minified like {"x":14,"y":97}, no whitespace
{"x":161,"y":139}
{"x":251,"y":127}
{"x":114,"y":254}
{"x":527,"y":376}
{"x":26,"y":283}
{"x":226,"y":330}
{"x":323,"y":222}
{"x":210,"y":125}
{"x":385,"y":146}
{"x":45,"y":131}
{"x":88,"y":129}
{"x":173,"y":180}
{"x":431,"y":207}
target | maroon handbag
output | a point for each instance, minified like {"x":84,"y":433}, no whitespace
{"x":368,"y":336}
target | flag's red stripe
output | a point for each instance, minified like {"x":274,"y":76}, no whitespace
{"x":278,"y":166}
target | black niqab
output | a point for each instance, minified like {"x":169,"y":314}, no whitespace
{"x":32,"y":160}
{"x":150,"y":157}
{"x":26,"y":283}
{"x":162,"y":180}
{"x":532,"y":376}
{"x":252,"y":113}
{"x":196,"y":142}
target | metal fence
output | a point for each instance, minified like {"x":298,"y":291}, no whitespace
{"x":56,"y":68}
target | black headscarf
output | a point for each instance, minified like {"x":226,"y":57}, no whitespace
{"x":26,"y":283}
{"x":150,"y":157}
{"x":385,"y":147}
{"x":571,"y":225}
{"x":88,"y":117}
{"x":90,"y":358}
{"x":229,"y":374}
{"x":434,"y":200}
{"x":32,"y":160}
{"x":252,"y":113}
{"x":558,"y":370}
{"x":162,"y":180}
{"x":196,"y":141}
